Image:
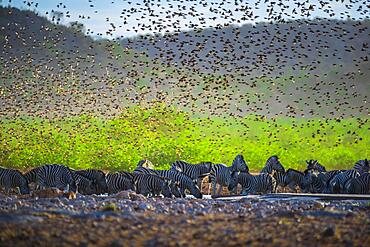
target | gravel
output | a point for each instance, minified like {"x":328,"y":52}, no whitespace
{"x":130,"y":219}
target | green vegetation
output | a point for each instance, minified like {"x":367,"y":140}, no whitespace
{"x":163,"y":134}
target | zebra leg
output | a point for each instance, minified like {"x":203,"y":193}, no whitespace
{"x":244,"y":192}
{"x":66,"y":188}
{"x":182,"y":192}
{"x":7,"y":190}
{"x":219,"y":190}
{"x":199,"y":183}
{"x":214,"y":188}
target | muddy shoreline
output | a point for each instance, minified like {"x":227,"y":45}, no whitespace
{"x":128,"y":219}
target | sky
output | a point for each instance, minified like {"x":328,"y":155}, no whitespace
{"x":127,"y":18}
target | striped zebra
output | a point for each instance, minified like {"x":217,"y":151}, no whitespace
{"x":98,"y":178}
{"x":195,"y":171}
{"x":320,"y":181}
{"x":222,"y":174}
{"x":338,"y":183}
{"x":362,"y":166}
{"x":55,"y":176}
{"x":359,"y":185}
{"x":252,"y":184}
{"x":296,"y":178}
{"x":84,"y":185}
{"x":117,"y":182}
{"x":151,"y":185}
{"x":181,"y":180}
{"x":315,"y":166}
{"x":272,"y":164}
{"x":10,"y":178}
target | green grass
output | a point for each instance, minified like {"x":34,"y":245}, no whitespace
{"x":164,"y":134}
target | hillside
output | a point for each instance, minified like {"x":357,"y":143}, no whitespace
{"x":302,"y":68}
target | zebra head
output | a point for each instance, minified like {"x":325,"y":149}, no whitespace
{"x":195,"y":191}
{"x":174,"y":186}
{"x":310,"y":164}
{"x":101,"y":181}
{"x":362,"y":166}
{"x":130,"y":180}
{"x":166,"y":190}
{"x":275,"y":164}
{"x":23,"y":187}
{"x":233,"y":181}
{"x":239,"y":164}
{"x":314,"y":165}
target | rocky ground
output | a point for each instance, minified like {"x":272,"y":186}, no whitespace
{"x":126,"y":219}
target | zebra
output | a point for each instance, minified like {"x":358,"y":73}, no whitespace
{"x":252,"y":184}
{"x":84,"y":185}
{"x":53,"y":175}
{"x":362,"y":166}
{"x":295,"y":178}
{"x":196,"y":172}
{"x":359,"y":185}
{"x":272,"y":164}
{"x":320,"y":181}
{"x":151,"y":185}
{"x":222,"y":174}
{"x":338,"y":183}
{"x":179,"y":179}
{"x":315,"y":166}
{"x":11,"y":178}
{"x":117,"y":182}
{"x":98,"y":178}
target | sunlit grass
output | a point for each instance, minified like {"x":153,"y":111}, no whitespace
{"x":163,"y":135}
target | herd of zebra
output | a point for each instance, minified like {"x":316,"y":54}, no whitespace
{"x":183,"y":178}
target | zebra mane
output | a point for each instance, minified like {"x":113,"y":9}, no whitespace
{"x":295,"y":171}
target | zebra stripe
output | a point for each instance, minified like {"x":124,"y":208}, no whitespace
{"x":281,"y":180}
{"x":117,"y":182}
{"x":315,"y":166}
{"x":359,"y":185}
{"x":362,"y":166}
{"x":57,"y":176}
{"x":272,"y":164}
{"x":84,"y":185}
{"x":338,"y":183}
{"x":297,"y":178}
{"x":252,"y":184}
{"x":222,"y":174}
{"x":10,"y":178}
{"x":151,"y":185}
{"x":98,"y":178}
{"x":194,"y":171}
{"x":179,"y":179}
{"x":320,"y":181}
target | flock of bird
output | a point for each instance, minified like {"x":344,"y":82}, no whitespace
{"x":185,"y":178}
{"x":310,"y":67}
